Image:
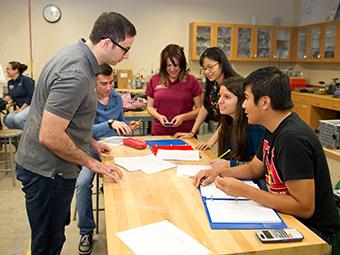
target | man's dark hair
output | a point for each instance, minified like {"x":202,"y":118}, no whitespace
{"x":104,"y":69}
{"x":112,"y":25}
{"x":271,"y":82}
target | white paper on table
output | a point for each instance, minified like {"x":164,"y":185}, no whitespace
{"x":211,"y":191}
{"x":178,"y":154}
{"x":190,"y":170}
{"x":240,"y":211}
{"x":113,"y":140}
{"x":148,"y":164}
{"x":161,"y":238}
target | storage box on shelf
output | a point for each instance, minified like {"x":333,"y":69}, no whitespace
{"x":330,"y":133}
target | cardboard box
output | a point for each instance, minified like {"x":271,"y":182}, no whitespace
{"x":123,"y":76}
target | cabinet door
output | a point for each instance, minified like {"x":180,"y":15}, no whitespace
{"x":301,"y":44}
{"x":282,"y":44}
{"x":244,"y":42}
{"x":304,"y":112}
{"x":200,"y":39}
{"x":263,"y":44}
{"x":315,"y":43}
{"x":330,"y":42}
{"x":224,"y":39}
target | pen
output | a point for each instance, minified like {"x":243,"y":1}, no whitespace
{"x":225,"y":153}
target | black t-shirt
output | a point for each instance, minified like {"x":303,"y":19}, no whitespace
{"x":293,"y":152}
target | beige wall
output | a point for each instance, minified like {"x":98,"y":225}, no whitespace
{"x":158,"y":23}
{"x":319,"y":72}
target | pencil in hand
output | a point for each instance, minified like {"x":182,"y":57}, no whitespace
{"x":225,"y":153}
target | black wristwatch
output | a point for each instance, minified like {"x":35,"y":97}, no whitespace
{"x":109,"y":122}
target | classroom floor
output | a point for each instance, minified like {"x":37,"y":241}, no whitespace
{"x":15,"y":232}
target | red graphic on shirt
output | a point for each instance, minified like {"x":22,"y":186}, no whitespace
{"x":273,"y":180}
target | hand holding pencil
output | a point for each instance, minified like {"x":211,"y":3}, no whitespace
{"x":135,"y":124}
{"x":219,"y":162}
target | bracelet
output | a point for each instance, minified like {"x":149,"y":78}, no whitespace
{"x":193,"y":134}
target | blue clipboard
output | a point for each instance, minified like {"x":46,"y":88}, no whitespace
{"x":240,"y":225}
{"x":166,"y":142}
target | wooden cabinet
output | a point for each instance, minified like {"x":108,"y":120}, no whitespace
{"x":263,"y":43}
{"x":312,"y":108}
{"x":318,"y":43}
{"x":331,"y":41}
{"x":225,"y":37}
{"x":244,"y":49}
{"x":253,"y":43}
{"x":311,"y":43}
{"x":200,"y":39}
{"x":283,"y":43}
{"x":300,"y":53}
{"x":205,"y":35}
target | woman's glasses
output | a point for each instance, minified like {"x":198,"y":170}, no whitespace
{"x":209,"y":68}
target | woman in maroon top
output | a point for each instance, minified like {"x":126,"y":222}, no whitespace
{"x":174,"y":95}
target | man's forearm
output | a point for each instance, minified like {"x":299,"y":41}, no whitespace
{"x":63,"y":146}
{"x":280,"y":202}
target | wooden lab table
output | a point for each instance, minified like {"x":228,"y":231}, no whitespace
{"x":140,"y":199}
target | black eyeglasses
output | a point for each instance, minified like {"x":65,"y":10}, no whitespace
{"x":125,"y":50}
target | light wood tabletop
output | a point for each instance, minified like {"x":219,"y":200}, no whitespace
{"x":140,"y":199}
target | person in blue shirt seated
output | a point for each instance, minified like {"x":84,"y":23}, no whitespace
{"x":109,"y":121}
{"x":20,"y":90}
{"x":237,"y":140}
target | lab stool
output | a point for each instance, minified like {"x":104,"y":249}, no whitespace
{"x":11,"y":138}
{"x":96,"y":209}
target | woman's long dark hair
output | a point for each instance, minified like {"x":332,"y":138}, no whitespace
{"x":172,"y":52}
{"x":218,"y":55}
{"x":233,"y":132}
{"x":215,"y":53}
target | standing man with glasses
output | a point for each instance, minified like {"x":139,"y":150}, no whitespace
{"x":57,"y":135}
{"x":109,"y":121}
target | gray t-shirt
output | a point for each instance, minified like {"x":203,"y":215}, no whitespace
{"x":66,"y":88}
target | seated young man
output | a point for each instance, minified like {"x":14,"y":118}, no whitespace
{"x":290,"y":156}
{"x":109,"y":121}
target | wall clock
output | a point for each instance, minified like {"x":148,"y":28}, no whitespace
{"x":52,"y":13}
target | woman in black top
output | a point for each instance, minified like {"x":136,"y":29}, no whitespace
{"x":20,"y":91}
{"x":216,"y":68}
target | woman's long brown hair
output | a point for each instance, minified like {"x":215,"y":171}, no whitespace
{"x":233,"y":132}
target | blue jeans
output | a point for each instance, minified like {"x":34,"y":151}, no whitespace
{"x":48,"y":203}
{"x":84,"y":186}
{"x":17,"y":120}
